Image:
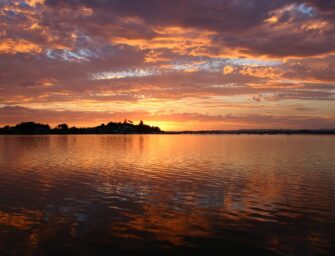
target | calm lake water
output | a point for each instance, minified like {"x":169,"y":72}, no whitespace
{"x":167,"y":194}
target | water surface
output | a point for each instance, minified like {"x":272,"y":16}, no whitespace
{"x":167,"y":194}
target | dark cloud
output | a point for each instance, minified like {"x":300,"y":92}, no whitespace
{"x":213,"y":15}
{"x":325,"y":6}
{"x":237,"y":24}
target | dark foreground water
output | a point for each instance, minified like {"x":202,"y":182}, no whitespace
{"x":167,"y":194}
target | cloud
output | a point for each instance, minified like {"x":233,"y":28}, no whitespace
{"x":11,"y":46}
{"x":262,"y":72}
{"x":228,"y":69}
{"x":44,"y":82}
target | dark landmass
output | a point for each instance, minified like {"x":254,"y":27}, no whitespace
{"x":260,"y":131}
{"x":127,"y":127}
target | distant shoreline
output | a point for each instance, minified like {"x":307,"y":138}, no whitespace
{"x":186,"y":133}
{"x":127,"y":127}
{"x":260,"y":132}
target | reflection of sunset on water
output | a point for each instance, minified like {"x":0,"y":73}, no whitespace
{"x":136,"y":187}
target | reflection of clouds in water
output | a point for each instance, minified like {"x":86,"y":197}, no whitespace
{"x":168,"y":188}
{"x":21,"y":220}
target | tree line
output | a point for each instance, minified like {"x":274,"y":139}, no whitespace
{"x":126,"y":127}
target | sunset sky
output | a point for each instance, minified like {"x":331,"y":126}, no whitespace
{"x":181,"y":65}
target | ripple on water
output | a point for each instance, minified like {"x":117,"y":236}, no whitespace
{"x":271,"y":192}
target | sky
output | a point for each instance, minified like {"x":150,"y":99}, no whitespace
{"x":181,"y":65}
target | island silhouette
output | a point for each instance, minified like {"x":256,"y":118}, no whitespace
{"x":128,"y":127}
{"x":125,"y":127}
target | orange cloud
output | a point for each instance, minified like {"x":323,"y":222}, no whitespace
{"x":228,"y":70}
{"x":10,"y":46}
{"x":44,"y":82}
{"x":34,"y":2}
{"x":262,"y":72}
{"x":178,"y":39}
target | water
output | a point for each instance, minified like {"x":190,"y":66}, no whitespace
{"x":167,"y":194}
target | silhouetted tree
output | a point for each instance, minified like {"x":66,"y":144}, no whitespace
{"x":31,"y":128}
{"x":62,"y":127}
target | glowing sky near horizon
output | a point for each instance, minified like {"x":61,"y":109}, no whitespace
{"x":194,"y":65}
